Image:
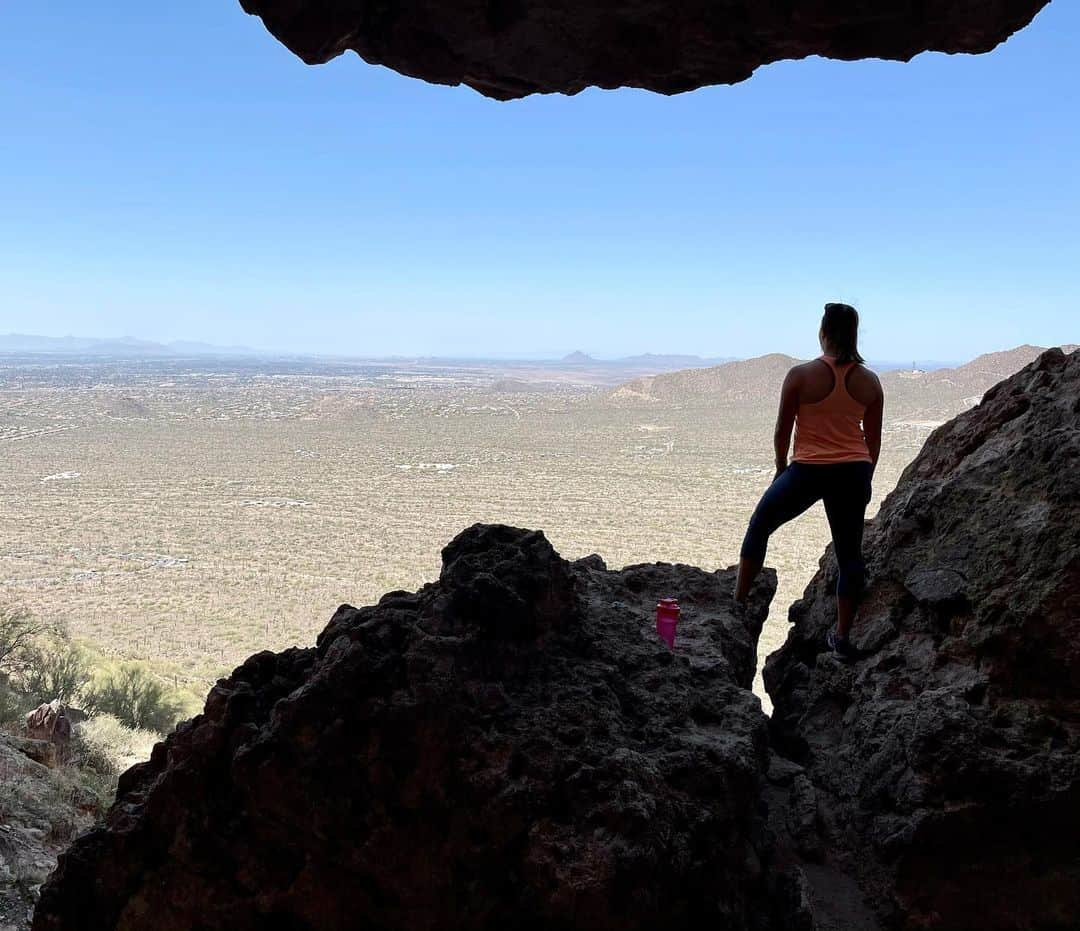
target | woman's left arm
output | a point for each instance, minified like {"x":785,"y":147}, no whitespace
{"x":872,"y":425}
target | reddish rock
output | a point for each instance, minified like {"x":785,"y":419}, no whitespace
{"x":512,"y":48}
{"x":50,"y":722}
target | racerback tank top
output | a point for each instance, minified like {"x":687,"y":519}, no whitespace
{"x":831,"y":430}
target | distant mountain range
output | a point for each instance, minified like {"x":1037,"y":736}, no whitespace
{"x":127,"y":346}
{"x":646,"y":360}
{"x":672,"y":377}
{"x":761,"y":377}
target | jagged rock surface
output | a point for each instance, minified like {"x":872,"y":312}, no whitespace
{"x":512,"y":48}
{"x":946,"y":761}
{"x":41,"y":808}
{"x":511,"y":747}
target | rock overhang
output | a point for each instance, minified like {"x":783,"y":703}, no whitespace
{"x":507,"y":49}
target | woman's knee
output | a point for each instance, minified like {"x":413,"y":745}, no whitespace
{"x":756,"y":541}
{"x":851,"y":578}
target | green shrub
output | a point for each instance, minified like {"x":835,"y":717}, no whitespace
{"x":11,"y":703}
{"x":18,"y":631}
{"x":54,"y":668}
{"x":103,"y":745}
{"x":130,"y":693}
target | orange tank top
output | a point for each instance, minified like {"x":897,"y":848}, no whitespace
{"x":831,"y":430}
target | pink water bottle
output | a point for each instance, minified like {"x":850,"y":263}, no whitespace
{"x":667,"y":619}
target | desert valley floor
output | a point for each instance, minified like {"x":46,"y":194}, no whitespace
{"x":192,"y":512}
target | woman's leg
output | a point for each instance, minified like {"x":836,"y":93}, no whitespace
{"x":846,"y":497}
{"x":791,"y":493}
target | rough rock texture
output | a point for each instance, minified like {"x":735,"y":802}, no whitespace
{"x":50,"y":722}
{"x":41,"y":809}
{"x":511,"y":48}
{"x":511,"y":747}
{"x":945,"y":763}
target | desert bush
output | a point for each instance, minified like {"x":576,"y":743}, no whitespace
{"x":134,"y":696}
{"x":18,"y":631}
{"x":103,"y":745}
{"x":12,"y":704}
{"x":54,"y":667}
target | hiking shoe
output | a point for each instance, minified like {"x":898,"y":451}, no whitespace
{"x":841,"y":646}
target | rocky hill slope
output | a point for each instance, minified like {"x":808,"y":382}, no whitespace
{"x":745,"y":380}
{"x":930,"y":397}
{"x":939,"y":394}
{"x":42,"y":807}
{"x":513,"y":747}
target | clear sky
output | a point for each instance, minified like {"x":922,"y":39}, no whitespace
{"x":169,"y":171}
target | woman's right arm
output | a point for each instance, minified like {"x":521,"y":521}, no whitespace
{"x":785,"y":419}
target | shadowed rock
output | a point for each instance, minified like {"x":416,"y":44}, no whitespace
{"x":511,"y":746}
{"x":946,"y":761}
{"x":512,"y":48}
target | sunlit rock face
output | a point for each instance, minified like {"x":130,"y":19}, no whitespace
{"x":945,"y":763}
{"x":511,"y":48}
{"x":510,"y":747}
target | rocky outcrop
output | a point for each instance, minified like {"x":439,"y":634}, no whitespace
{"x":512,"y":48}
{"x":944,"y":764}
{"x":50,"y":722}
{"x":511,"y":746}
{"x":42,"y":806}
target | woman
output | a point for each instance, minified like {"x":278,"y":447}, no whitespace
{"x":835,"y":404}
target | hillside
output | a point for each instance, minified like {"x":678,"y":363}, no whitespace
{"x":43,"y":807}
{"x":745,"y":380}
{"x":937,"y":395}
{"x":933,"y":396}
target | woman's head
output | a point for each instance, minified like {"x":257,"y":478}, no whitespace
{"x":840,"y":332}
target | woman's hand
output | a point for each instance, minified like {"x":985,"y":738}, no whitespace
{"x":780,"y":467}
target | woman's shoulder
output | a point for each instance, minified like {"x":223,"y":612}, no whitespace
{"x":801,"y":370}
{"x":810,"y":366}
{"x":864,"y":383}
{"x":865,"y":372}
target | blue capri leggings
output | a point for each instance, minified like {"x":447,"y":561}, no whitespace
{"x":845,"y":489}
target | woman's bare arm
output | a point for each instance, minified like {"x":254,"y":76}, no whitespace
{"x":872,"y":424}
{"x":785,"y":418}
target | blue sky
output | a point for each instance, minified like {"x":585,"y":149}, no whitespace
{"x":169,"y":171}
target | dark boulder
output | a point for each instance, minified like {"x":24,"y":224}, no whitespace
{"x":511,"y":746}
{"x":946,"y":760}
{"x":512,"y":48}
